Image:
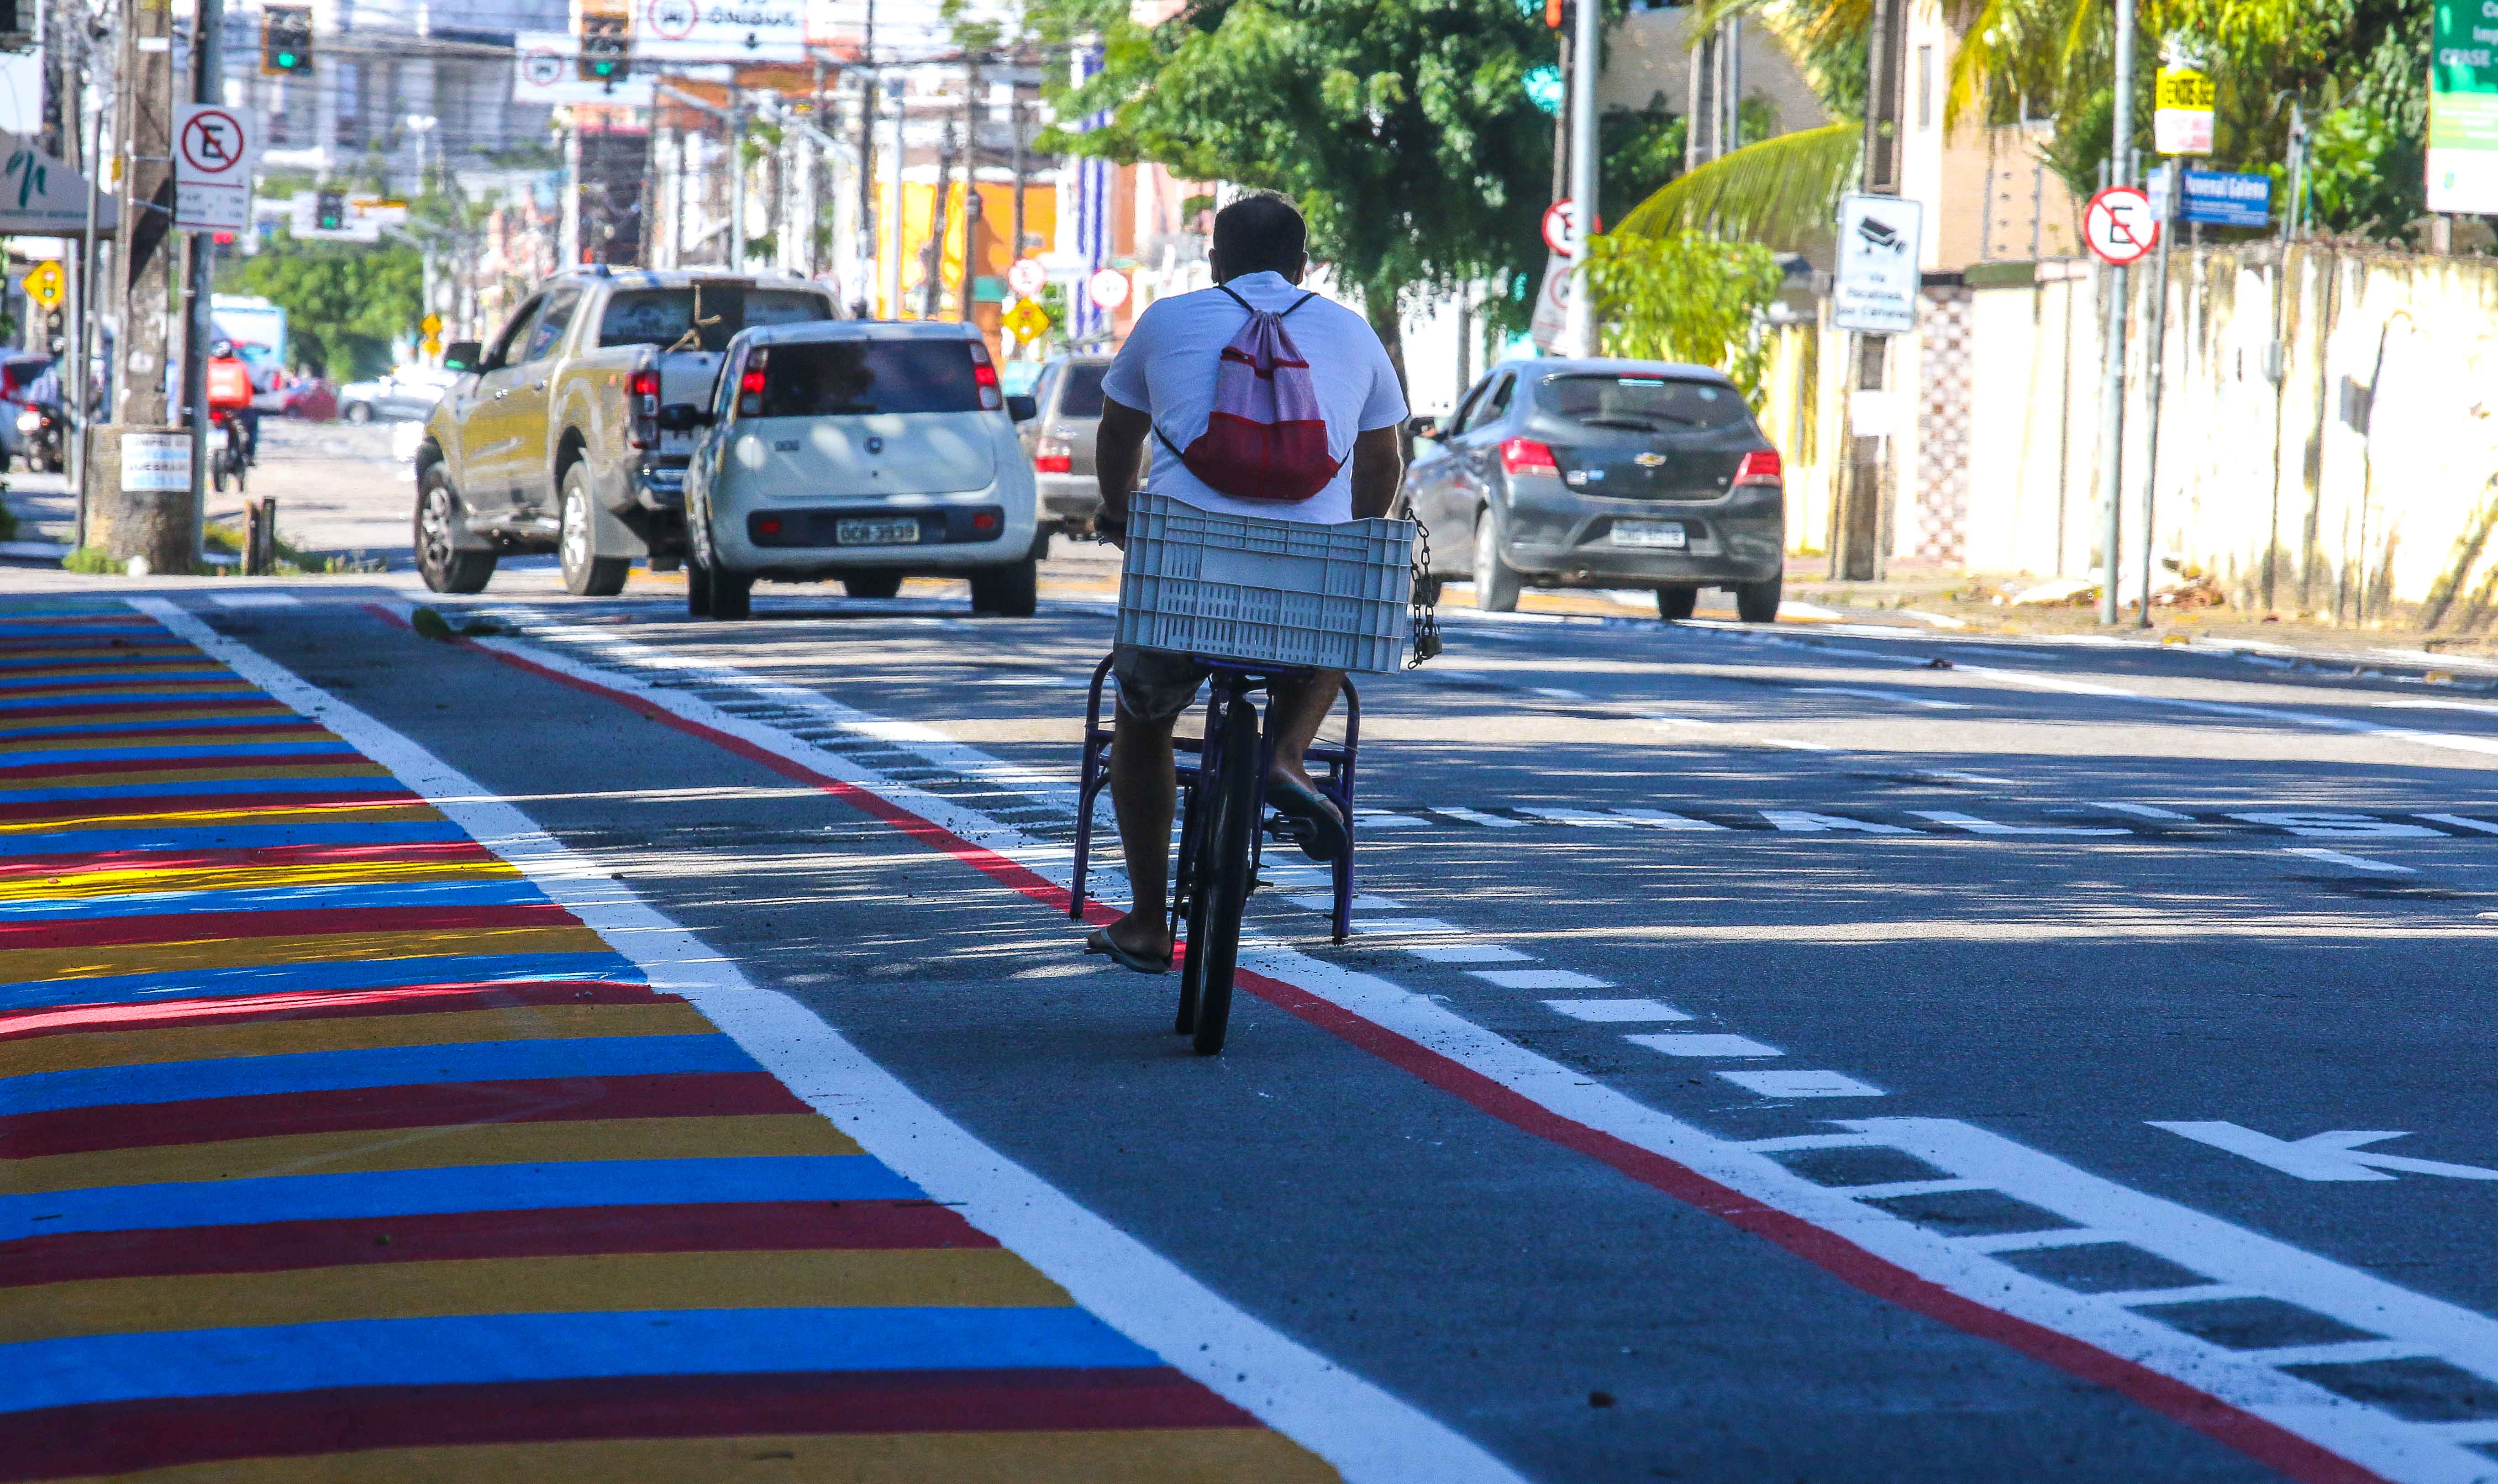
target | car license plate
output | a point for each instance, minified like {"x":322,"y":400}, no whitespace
{"x":902,"y":533}
{"x":1665,"y":533}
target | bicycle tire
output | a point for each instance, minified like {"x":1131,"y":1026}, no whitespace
{"x":1189,"y":897}
{"x":1230,"y":840}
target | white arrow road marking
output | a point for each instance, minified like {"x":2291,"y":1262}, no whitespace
{"x":2344,"y":858}
{"x":1805,"y":822}
{"x":2332,"y":1155}
{"x":1977,"y":827}
{"x":2347,"y":826}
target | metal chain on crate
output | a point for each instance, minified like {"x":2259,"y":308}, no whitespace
{"x":1424,"y":601}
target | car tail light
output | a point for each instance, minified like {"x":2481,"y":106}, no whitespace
{"x":985,"y":520}
{"x":642,"y":398}
{"x":1528,"y":456}
{"x":985,"y":374}
{"x":768,"y":525}
{"x":1760,"y":467}
{"x":1052,"y":456}
{"x":749,"y":386}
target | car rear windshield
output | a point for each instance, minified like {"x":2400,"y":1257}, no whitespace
{"x":660,"y":316}
{"x":1640,"y":403}
{"x":854,"y":378}
{"x":1083,"y":395}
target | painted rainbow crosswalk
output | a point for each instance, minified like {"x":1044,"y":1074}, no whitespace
{"x":331,"y":1148}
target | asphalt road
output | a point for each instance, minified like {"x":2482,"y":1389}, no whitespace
{"x":1818,"y":1053}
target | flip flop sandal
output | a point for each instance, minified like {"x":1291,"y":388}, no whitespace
{"x":1325,"y":839}
{"x":1100,"y":943}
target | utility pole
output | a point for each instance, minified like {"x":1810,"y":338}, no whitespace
{"x":1860,"y":529}
{"x":157,"y":526}
{"x":1022,"y":162}
{"x":2165,"y":199}
{"x":1578,"y":328}
{"x":736,"y":181}
{"x":971,"y":112}
{"x":2112,"y":388}
{"x":893,"y":207}
{"x":208,"y":72}
{"x":932,"y":276}
{"x":865,"y":292}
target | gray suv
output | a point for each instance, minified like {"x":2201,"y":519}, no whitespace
{"x":1067,"y":405}
{"x":1604,"y":474}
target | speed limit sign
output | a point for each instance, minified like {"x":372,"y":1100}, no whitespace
{"x":2121,"y":225}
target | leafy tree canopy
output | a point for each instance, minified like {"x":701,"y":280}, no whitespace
{"x":344,"y":301}
{"x":1685,"y":297}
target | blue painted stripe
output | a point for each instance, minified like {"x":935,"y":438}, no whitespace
{"x":240,"y":753}
{"x":279,"y":979}
{"x":222,"y":696}
{"x":207,"y":788}
{"x":496,"y":892}
{"x":132,"y":725}
{"x":167,"y":674}
{"x":12,"y":627}
{"x":569,"y":1185}
{"x":148,"y":651}
{"x":396,"y":1066}
{"x":546,"y":1347}
{"x":225,"y":837}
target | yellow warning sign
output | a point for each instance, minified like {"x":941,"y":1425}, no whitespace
{"x":1027,"y":320}
{"x":432,"y":325}
{"x":43,"y":285}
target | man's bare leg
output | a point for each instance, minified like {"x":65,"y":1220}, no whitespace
{"x":1144,"y":788}
{"x":1301,"y":707}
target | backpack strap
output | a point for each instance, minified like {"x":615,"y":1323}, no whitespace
{"x":1280,"y":313}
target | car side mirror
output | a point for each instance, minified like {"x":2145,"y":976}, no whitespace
{"x":684,"y":417}
{"x":1022,"y":409}
{"x":1424,"y":427}
{"x":463,"y":355}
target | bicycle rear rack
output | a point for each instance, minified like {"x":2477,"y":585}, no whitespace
{"x":1335,"y":783}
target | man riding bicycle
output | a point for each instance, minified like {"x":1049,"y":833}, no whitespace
{"x":1162,"y":388}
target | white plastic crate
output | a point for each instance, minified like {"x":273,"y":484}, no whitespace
{"x":1264,"y":591}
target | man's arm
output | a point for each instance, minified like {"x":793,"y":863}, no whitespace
{"x":1118,"y":458}
{"x":1378,"y":468}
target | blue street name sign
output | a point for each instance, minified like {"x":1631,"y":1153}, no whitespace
{"x":2222,"y":199}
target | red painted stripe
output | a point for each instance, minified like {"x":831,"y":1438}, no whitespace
{"x":204,"y":927}
{"x":206,"y":703}
{"x":532,"y":1100}
{"x":177,"y":734}
{"x":319,"y":1005}
{"x":118,"y":1437}
{"x":2262,"y":1440}
{"x":105,"y":683}
{"x":81,"y":765}
{"x":310,"y":800}
{"x":450,"y":852}
{"x":280,"y":1247}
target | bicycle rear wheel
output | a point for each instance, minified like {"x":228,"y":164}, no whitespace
{"x":1230,"y":838}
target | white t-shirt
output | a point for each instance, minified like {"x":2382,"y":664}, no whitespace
{"x":1167,"y":371}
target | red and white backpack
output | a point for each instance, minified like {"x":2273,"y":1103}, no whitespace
{"x":1266,"y":439}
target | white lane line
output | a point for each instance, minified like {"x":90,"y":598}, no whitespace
{"x":1659,"y":819}
{"x":2339,"y":827}
{"x":1478,"y":817}
{"x":1557,"y":692}
{"x":1803,"y":821}
{"x":2256,"y":1398}
{"x":1584,"y":818}
{"x":2447,"y":740}
{"x":1789,"y":1141}
{"x":1661,"y":719}
{"x":1381,"y":819}
{"x":1466,"y":953}
{"x":2356,"y":863}
{"x":1901,"y":696}
{"x":1361,"y":1430}
{"x":1405,"y":925}
{"x":257,"y":600}
{"x":2461,"y":821}
{"x":1323,"y":901}
{"x":2341,"y":1352}
{"x":1977,"y":827}
{"x":1801,"y":746}
{"x":1539,"y":978}
{"x":1691,"y":1044}
{"x":2145,"y":811}
{"x":1951,"y":775}
{"x":1616,"y":1011}
{"x":2190,"y":1293}
{"x":1803,"y":1085}
{"x":2433,"y":703}
{"x":1895,"y":1189}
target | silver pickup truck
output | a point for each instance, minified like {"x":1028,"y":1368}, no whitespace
{"x":550,"y":441}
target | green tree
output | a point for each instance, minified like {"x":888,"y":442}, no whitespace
{"x":1401,"y":128}
{"x":344,"y":301}
{"x":1684,"y":297}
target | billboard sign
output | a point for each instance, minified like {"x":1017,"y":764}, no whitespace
{"x":2462,"y":107}
{"x":2220,"y":198}
{"x":720,"y":30}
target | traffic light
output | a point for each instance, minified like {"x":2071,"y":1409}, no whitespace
{"x":329,"y":211}
{"x":286,"y":40}
{"x":606,"y":48}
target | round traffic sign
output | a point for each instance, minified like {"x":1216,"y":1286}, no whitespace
{"x":2121,"y":225}
{"x":1561,"y":228}
{"x":1108,"y":288}
{"x":1027,"y":277}
{"x":212,"y":142}
{"x":542,"y":68}
{"x":674,"y":20}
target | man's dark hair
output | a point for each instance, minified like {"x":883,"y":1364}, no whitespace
{"x":1260,"y":233}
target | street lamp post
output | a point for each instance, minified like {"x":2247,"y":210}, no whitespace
{"x":1579,"y":326}
{"x":2112,"y":388}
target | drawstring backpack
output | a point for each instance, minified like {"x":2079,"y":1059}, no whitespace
{"x":1267,"y":440}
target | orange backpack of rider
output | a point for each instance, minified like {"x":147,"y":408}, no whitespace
{"x":229,"y":385}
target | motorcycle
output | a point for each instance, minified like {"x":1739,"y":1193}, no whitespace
{"x":41,"y":433}
{"x":231,"y":455}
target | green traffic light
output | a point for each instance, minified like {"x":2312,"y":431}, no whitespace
{"x":286,"y":59}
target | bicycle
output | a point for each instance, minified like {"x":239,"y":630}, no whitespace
{"x":1224,"y":826}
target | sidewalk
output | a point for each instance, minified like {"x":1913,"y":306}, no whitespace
{"x":343,"y":1149}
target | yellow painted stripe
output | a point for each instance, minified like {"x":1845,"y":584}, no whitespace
{"x":241,"y":711}
{"x":124,"y":881}
{"x":161,"y":664}
{"x":171,"y":649}
{"x":29,"y":965}
{"x":100,"y":817}
{"x":305,"y":767}
{"x":374,"y":1151}
{"x":1130,"y":1456}
{"x":598,"y":1283}
{"x":206,"y":686}
{"x":164,"y":736}
{"x":345,"y":1033}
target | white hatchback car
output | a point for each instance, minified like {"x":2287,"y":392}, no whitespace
{"x":867,"y":450}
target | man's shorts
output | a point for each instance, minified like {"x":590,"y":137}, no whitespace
{"x":1156,"y":684}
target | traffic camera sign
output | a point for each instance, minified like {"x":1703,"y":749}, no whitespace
{"x":2121,"y":225}
{"x":211,"y":169}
